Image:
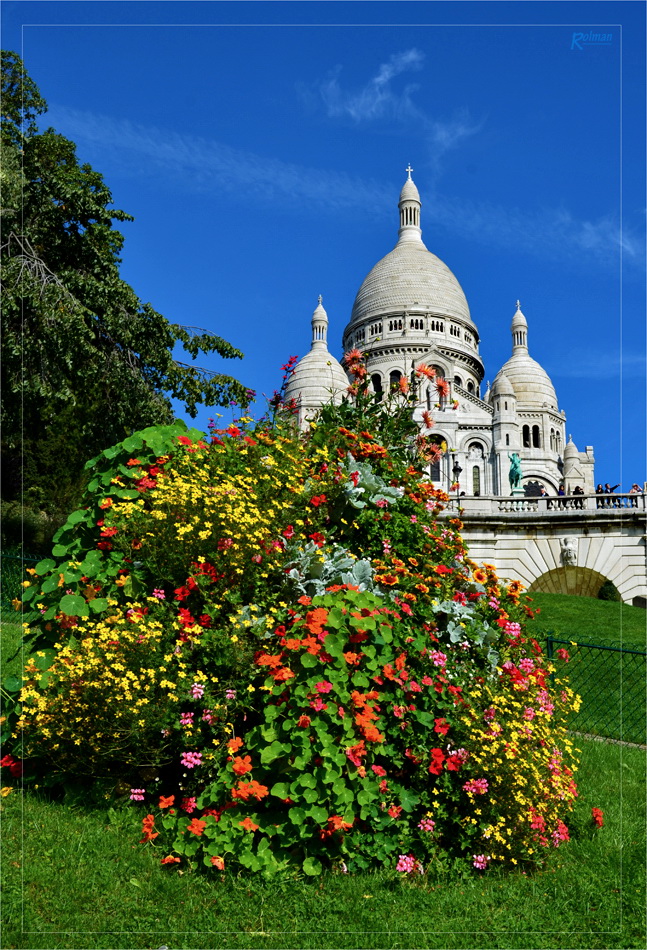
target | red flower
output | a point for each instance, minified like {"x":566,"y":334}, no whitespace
{"x":394,"y":811}
{"x":147,"y":829}
{"x":218,"y":862}
{"x":304,"y":721}
{"x":171,"y":859}
{"x":437,"y":759}
{"x":318,"y":538}
{"x":288,"y":533}
{"x":196,"y":826}
{"x":441,"y":726}
{"x":598,"y":816}
{"x":318,"y":500}
{"x":166,"y":802}
{"x":563,"y":655}
{"x":248,"y":824}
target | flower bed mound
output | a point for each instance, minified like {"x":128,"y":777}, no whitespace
{"x":277,"y":643}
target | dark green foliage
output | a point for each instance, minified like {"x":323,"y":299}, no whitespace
{"x":609,"y":591}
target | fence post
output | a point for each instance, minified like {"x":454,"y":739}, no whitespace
{"x":550,"y":654}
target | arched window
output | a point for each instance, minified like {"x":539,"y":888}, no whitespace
{"x":458,"y":381}
{"x":435,"y":468}
{"x":470,"y":386}
{"x":535,"y":437}
{"x":526,"y":437}
{"x":376,"y":381}
{"x":394,"y":378}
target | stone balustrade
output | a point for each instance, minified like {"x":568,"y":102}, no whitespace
{"x":547,"y":504}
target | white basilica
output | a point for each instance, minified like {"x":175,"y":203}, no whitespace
{"x":410,"y":309}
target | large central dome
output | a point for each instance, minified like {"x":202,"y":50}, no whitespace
{"x":410,"y":277}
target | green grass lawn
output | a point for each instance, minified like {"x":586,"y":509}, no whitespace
{"x":611,"y":684}
{"x":75,"y":877}
{"x":590,"y":620}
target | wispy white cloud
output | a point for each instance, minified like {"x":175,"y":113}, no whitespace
{"x":376,"y":99}
{"x":379,"y":99}
{"x":196,"y":165}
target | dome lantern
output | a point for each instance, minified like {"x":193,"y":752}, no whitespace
{"x":320,"y":326}
{"x":519,"y":328}
{"x":409,"y":205}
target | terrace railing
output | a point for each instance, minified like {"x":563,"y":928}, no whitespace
{"x":602,"y":505}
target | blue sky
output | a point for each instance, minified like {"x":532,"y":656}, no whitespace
{"x":261,"y":148}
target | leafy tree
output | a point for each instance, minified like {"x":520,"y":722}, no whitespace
{"x":85,"y":361}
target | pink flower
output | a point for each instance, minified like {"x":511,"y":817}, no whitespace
{"x":526,"y":665}
{"x":186,"y":719}
{"x":208,"y":716}
{"x":197,"y":691}
{"x":323,"y":687}
{"x":529,"y":713}
{"x":159,"y":593}
{"x":230,"y":694}
{"x":191,"y":759}
{"x":378,"y":770}
{"x":407,"y":864}
{"x":476,"y":786}
{"x":318,"y":704}
{"x":438,"y":658}
{"x":137,"y":794}
{"x":427,"y":824}
{"x":480,"y":861}
{"x":188,"y":804}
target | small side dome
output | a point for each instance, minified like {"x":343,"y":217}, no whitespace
{"x":530,"y":381}
{"x":570,"y":450}
{"x":502,"y":386}
{"x":318,"y":378}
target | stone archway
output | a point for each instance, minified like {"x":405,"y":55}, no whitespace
{"x":578,"y":581}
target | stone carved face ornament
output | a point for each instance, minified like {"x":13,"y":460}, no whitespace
{"x":569,"y":551}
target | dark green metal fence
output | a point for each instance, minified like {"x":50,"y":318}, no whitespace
{"x":12,"y":574}
{"x":611,"y":679}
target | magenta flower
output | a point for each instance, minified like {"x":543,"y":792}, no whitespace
{"x":197,"y":691}
{"x":480,"y":861}
{"x":137,"y":794}
{"x":191,"y":759}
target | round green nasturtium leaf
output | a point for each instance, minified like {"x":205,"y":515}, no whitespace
{"x":47,"y":564}
{"x":312,"y":866}
{"x":74,"y":606}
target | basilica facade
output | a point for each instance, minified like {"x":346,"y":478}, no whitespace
{"x":410,"y":310}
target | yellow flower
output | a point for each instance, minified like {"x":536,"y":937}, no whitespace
{"x":6,"y":790}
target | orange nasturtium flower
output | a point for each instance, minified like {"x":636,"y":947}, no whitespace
{"x":196,"y":826}
{"x":218,"y":862}
{"x":248,"y":824}
{"x":242,"y":765}
{"x":166,"y":801}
